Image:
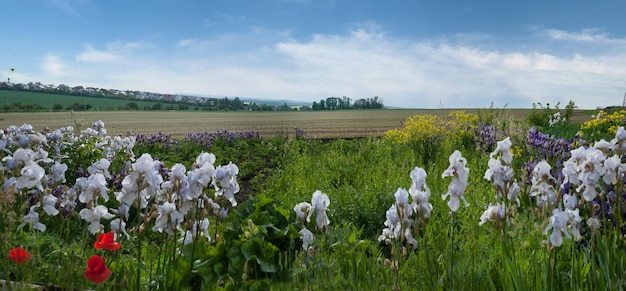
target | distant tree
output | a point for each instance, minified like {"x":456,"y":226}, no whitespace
{"x":377,"y":103}
{"x":284,"y":107}
{"x":77,"y":106}
{"x":157,"y":106}
{"x":223,"y":104}
{"x":29,"y":107}
{"x":183,"y":107}
{"x":236,"y":104}
{"x":57,"y":107}
{"x":265,"y":107}
{"x":332,"y":103}
{"x":359,"y":104}
{"x":344,"y":103}
{"x":368,"y":103}
{"x":132,"y":106}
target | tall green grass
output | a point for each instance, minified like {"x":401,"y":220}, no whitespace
{"x":360,"y":177}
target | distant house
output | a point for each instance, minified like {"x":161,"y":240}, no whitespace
{"x":78,"y":89}
{"x":140,"y":95}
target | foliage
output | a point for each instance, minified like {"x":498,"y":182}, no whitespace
{"x":603,"y":126}
{"x":355,"y":173}
{"x":492,"y":116}
{"x":545,"y":118}
{"x":336,"y":103}
{"x":427,"y":133}
{"x":540,"y":116}
{"x":228,"y":146}
{"x":569,"y":110}
{"x":258,"y":245}
{"x":461,"y":127}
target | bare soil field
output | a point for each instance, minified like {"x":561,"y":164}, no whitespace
{"x":317,"y":124}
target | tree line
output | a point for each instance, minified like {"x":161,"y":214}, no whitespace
{"x":336,"y":103}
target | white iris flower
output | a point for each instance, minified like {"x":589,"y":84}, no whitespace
{"x":319,"y":203}
{"x":459,"y":174}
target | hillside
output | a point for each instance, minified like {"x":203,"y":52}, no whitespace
{"x":50,"y":102}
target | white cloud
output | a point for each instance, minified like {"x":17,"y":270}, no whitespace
{"x":98,"y":56}
{"x":427,"y":73}
{"x":361,"y":63}
{"x":187,"y":42}
{"x":115,"y":52}
{"x":53,"y":66}
{"x":585,"y":35}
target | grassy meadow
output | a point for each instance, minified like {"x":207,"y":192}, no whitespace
{"x":377,"y":222}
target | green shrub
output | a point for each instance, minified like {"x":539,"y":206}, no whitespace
{"x":257,"y":247}
{"x":604,"y":126}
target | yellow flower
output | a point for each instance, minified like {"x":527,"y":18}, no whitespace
{"x":425,"y":128}
{"x":603,"y":126}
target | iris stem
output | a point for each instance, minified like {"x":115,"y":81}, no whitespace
{"x":451,"y":252}
{"x":195,"y":237}
{"x":138,"y":281}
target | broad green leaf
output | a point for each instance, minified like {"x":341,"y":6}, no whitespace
{"x":250,"y":248}
{"x":267,"y":266}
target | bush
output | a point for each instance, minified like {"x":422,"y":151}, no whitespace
{"x":540,"y":116}
{"x":426,"y":134}
{"x":604,"y":126}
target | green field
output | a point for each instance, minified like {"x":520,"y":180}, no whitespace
{"x":47,"y":100}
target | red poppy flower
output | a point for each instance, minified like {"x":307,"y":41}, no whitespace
{"x":19,"y":255}
{"x":97,"y":271}
{"x":107,"y":241}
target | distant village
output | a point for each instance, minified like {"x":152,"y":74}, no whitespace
{"x":209,"y":103}
{"x":101,"y":92}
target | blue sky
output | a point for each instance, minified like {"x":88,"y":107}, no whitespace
{"x":416,"y":54}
